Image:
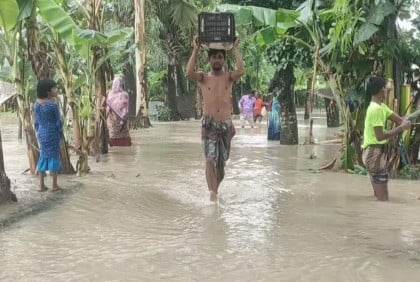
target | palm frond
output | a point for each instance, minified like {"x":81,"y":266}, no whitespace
{"x":183,"y":14}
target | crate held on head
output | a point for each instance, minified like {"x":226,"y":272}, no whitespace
{"x":216,"y":30}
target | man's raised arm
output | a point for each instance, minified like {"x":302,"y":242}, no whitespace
{"x":191,"y":73}
{"x":240,"y":69}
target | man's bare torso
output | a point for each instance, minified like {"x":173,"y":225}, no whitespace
{"x":216,"y":91}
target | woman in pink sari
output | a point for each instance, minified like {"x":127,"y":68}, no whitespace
{"x":117,"y":109}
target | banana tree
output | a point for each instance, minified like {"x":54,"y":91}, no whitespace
{"x":62,"y":32}
{"x":103,"y":73}
{"x":6,"y":24}
{"x":178,"y":22}
{"x":82,"y":59}
{"x":347,"y":45}
{"x":11,"y":39}
{"x":368,"y":49}
{"x":25,"y":16}
{"x":90,"y":110}
{"x":38,"y":56}
{"x":345,"y":41}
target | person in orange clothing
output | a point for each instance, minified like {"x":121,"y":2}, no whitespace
{"x":259,"y":104}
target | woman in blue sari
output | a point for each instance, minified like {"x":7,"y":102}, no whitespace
{"x":274,"y":120}
{"x":48,"y":127}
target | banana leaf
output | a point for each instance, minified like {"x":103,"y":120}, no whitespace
{"x":9,"y":12}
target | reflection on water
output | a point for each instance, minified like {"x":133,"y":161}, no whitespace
{"x":143,"y":215}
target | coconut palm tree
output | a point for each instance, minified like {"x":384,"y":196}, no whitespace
{"x":179,"y":22}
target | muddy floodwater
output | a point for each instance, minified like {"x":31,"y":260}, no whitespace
{"x":143,"y":214}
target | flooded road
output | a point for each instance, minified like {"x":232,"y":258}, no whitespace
{"x":143,"y":214}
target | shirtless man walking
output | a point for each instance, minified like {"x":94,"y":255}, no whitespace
{"x":217,"y":127}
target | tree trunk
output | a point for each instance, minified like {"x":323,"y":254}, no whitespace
{"x":172,"y":101}
{"x":282,"y":86}
{"x":142,"y":116}
{"x":198,"y":104}
{"x":236,"y":90}
{"x":41,"y":70}
{"x":33,"y":153}
{"x":1,"y":155}
{"x":333,"y":114}
{"x":5,"y":193}
{"x":37,"y":51}
{"x":20,"y":129}
{"x":130,"y":87}
{"x":82,"y":165}
{"x":307,"y":101}
{"x":30,"y":135}
{"x":235,"y":98}
{"x":414,"y":148}
{"x":66,"y":166}
{"x":100,"y":143}
{"x":186,"y":100}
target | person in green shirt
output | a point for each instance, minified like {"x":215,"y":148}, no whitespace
{"x":375,"y":136}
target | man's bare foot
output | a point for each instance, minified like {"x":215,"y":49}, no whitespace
{"x":55,"y":189}
{"x":213,"y":196}
{"x":43,"y":189}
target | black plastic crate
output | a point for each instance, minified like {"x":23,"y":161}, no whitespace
{"x":216,"y":27}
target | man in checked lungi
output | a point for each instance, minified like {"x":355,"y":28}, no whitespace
{"x":217,"y":127}
{"x":375,"y":136}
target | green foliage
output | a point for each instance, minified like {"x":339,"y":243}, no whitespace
{"x":156,"y":58}
{"x":250,"y":15}
{"x":409,"y":50}
{"x":57,"y":18}
{"x":118,"y":14}
{"x":357,"y":169}
{"x":31,"y":82}
{"x":301,"y":96}
{"x":272,"y":4}
{"x":163,"y":113}
{"x":9,"y":11}
{"x":259,"y":70}
{"x":183,"y":14}
{"x":285,"y":52}
{"x":6,"y":72}
{"x":409,"y":172}
{"x":85,"y":106}
{"x":174,"y":25}
{"x":157,"y":86}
